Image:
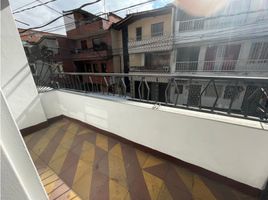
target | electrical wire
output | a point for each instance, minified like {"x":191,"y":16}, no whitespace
{"x":30,"y":8}
{"x":97,"y":16}
{"x":27,"y":4}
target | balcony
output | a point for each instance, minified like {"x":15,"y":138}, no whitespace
{"x":257,"y":67}
{"x":89,"y":54}
{"x":93,"y":140}
{"x":252,"y":23}
{"x":94,"y":148}
{"x":76,"y":161}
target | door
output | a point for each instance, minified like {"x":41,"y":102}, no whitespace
{"x":161,"y":92}
{"x":210,"y":58}
{"x":194,"y":95}
{"x":230,"y":57}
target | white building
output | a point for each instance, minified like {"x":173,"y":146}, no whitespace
{"x":232,"y":42}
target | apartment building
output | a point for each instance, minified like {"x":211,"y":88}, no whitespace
{"x":232,"y":42}
{"x":90,"y":40}
{"x":147,"y":46}
{"x":46,"y":52}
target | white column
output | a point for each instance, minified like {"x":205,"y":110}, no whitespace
{"x":173,"y":59}
{"x":201,"y":58}
{"x":16,"y":79}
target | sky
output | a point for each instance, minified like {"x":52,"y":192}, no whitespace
{"x":41,"y":15}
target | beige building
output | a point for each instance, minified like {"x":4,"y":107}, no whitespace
{"x":147,"y":44}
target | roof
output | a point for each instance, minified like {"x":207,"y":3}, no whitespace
{"x":83,"y":12}
{"x":111,"y":13}
{"x":139,"y":15}
{"x":34,"y":36}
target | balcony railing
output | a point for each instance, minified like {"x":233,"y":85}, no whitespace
{"x":224,"y":21}
{"x":244,"y":97}
{"x":90,"y":53}
{"x":160,"y":41}
{"x":252,"y":65}
{"x":160,"y":69}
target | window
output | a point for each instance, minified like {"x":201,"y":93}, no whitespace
{"x":187,"y":58}
{"x":157,"y":29}
{"x":138,"y":34}
{"x":99,"y":44}
{"x":83,"y":44}
{"x":210,"y":91}
{"x":230,"y":58}
{"x":103,"y":67}
{"x":95,"y":68}
{"x":258,"y":50}
{"x":232,"y":91}
{"x":158,"y":59}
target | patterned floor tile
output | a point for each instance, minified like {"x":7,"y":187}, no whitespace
{"x":78,"y":163}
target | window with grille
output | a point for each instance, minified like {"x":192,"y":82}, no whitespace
{"x":232,"y":92}
{"x":157,"y":29}
{"x":138,"y":34}
{"x":258,"y":52}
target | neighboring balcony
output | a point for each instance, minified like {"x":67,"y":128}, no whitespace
{"x":254,"y":23}
{"x":89,"y":54}
{"x":160,"y":42}
{"x":156,"y":69}
{"x":256,"y":67}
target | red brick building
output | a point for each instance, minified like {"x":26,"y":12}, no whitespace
{"x":90,"y":42}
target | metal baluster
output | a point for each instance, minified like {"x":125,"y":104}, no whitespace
{"x":202,"y":92}
{"x":167,"y":92}
{"x":139,"y":88}
{"x":217,"y":96}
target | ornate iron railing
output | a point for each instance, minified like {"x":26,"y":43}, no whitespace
{"x":244,"y":97}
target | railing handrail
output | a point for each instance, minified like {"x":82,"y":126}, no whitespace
{"x":173,"y":75}
{"x":238,"y":60}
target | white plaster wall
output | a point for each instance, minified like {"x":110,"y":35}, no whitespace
{"x":232,"y":147}
{"x":16,"y":79}
{"x":8,"y":178}
{"x":19,"y":178}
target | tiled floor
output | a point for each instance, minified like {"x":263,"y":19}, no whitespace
{"x":77,"y":163}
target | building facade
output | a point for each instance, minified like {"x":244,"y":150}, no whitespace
{"x":90,"y":40}
{"x":46,"y":52}
{"x":147,"y":47}
{"x":232,"y":42}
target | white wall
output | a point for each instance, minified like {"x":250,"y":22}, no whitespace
{"x":232,"y":147}
{"x":8,"y":178}
{"x":19,"y":178}
{"x":16,"y":79}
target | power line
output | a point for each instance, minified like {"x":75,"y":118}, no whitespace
{"x":67,"y":13}
{"x":27,"y":4}
{"x":55,"y":10}
{"x":97,"y":16}
{"x":49,"y":7}
{"x":30,"y":8}
{"x":22,"y":22}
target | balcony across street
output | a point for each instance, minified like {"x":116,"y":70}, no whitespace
{"x":77,"y":162}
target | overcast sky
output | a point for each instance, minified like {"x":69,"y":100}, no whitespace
{"x":43,"y":14}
